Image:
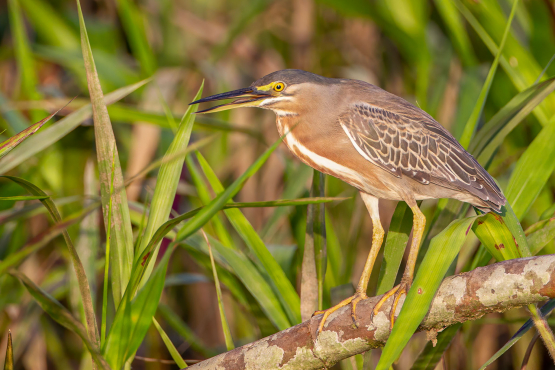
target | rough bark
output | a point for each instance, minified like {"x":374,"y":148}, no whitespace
{"x":469,"y":296}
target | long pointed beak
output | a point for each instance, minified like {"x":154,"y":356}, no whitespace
{"x":246,"y":97}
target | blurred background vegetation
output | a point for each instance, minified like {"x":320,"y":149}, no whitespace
{"x":436,"y":54}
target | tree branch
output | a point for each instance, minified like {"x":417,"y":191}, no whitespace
{"x":469,"y":296}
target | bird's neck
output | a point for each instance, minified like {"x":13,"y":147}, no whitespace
{"x":286,"y":121}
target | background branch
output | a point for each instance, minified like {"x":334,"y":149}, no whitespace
{"x":469,"y":296}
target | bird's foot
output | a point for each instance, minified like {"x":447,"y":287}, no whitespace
{"x":397,"y":292}
{"x":359,"y":296}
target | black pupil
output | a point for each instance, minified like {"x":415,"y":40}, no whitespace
{"x":278,"y":86}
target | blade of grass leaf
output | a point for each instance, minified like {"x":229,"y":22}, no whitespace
{"x":14,"y":118}
{"x":61,"y":315}
{"x":52,"y":134}
{"x":205,"y":197}
{"x":310,"y":292}
{"x":133,"y":24}
{"x":119,"y":349}
{"x":11,"y":143}
{"x":521,"y":77}
{"x":166,"y":183}
{"x":441,"y":253}
{"x":107,"y":258}
{"x":122,"y":236}
{"x":293,"y":189}
{"x":457,"y":31}
{"x":169,"y":345}
{"x":184,"y":330}
{"x":514,"y":226}
{"x":124,"y":113}
{"x":431,"y":354}
{"x":496,"y":237}
{"x":43,"y":239}
{"x":24,"y":197}
{"x":199,"y":220}
{"x":543,"y":329}
{"x":8,"y":362}
{"x":316,"y":227}
{"x":225,"y":325}
{"x":533,"y":169}
{"x":84,"y":287}
{"x":28,"y":80}
{"x":490,"y":137}
{"x":545,"y":310}
{"x":479,"y":106}
{"x":528,"y":352}
{"x":175,"y":156}
{"x":167,"y":112}
{"x":395,"y":244}
{"x":284,"y":289}
{"x":252,"y":279}
{"x":538,"y":239}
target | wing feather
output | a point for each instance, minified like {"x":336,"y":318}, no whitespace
{"x":416,"y":146}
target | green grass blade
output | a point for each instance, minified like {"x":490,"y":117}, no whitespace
{"x":527,"y":71}
{"x":174,"y":157}
{"x":198,"y":221}
{"x":125,"y":113}
{"x":166,"y":183}
{"x":205,"y":197}
{"x":122,"y":236}
{"x":293,"y":189}
{"x":395,"y":245}
{"x":11,"y":143}
{"x":28,"y":80}
{"x":311,"y":295}
{"x":84,"y":287}
{"x":252,"y":279}
{"x":532,"y":171}
{"x":169,"y":345}
{"x":52,"y":134}
{"x":225,"y":325}
{"x":441,"y":253}
{"x":285,"y":290}
{"x":431,"y":354}
{"x":25,"y":197}
{"x":514,"y":226}
{"x":316,"y":227}
{"x":107,"y":258}
{"x":496,"y":237}
{"x":456,"y":30}
{"x":43,"y":239}
{"x":133,"y":24}
{"x":8,"y":362}
{"x":120,"y":347}
{"x":479,"y":107}
{"x":177,"y":324}
{"x":60,"y":314}
{"x":539,"y":239}
{"x":490,"y":137}
{"x":545,"y":310}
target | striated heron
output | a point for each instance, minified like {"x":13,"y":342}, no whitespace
{"x":375,"y":141}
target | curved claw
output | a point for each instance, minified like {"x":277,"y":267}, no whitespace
{"x":319,"y":312}
{"x":397,"y":292}
{"x":351,"y":300}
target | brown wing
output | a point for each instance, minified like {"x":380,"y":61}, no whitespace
{"x":416,"y":146}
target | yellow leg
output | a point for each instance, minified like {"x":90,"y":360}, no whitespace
{"x":419,"y":223}
{"x":377,"y":238}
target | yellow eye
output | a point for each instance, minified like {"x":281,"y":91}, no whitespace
{"x":279,"y":86}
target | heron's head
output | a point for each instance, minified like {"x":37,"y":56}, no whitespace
{"x":283,"y":91}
